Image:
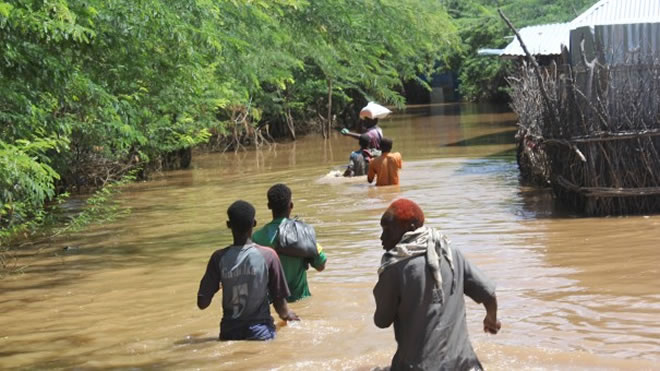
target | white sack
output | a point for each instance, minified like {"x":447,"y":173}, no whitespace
{"x":374,"y":111}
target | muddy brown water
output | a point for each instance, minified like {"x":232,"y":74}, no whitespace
{"x":575,"y":293}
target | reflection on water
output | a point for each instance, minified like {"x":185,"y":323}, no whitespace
{"x":574,"y":292}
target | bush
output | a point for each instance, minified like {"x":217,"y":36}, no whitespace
{"x":26,"y":181}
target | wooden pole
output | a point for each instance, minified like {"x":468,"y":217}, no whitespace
{"x":537,"y":68}
{"x":326,"y":131}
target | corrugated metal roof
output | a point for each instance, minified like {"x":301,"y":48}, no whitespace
{"x":489,"y":51}
{"x":619,"y":12}
{"x":545,"y":39}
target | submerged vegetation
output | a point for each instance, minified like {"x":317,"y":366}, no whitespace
{"x":100,"y":207}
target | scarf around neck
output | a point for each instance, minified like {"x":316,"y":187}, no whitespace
{"x":428,"y":241}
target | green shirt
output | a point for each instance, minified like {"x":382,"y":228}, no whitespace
{"x":295,"y":268}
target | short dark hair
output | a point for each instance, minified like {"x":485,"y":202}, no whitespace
{"x":364,"y":141}
{"x":279,"y":198}
{"x":386,"y":144}
{"x":241,"y":216}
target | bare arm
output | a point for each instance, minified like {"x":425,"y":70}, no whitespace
{"x":371,"y":173}
{"x":352,"y":134}
{"x":491,"y":324}
{"x":319,"y":262}
{"x":282,"y":309}
{"x":478,"y":287}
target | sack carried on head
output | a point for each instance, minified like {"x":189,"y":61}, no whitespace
{"x":296,"y":238}
{"x":374,"y":111}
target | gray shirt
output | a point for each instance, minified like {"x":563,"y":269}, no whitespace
{"x":250,"y":276}
{"x":429,"y":335}
{"x":357,"y":164}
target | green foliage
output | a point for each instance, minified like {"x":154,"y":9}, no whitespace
{"x":26,"y":180}
{"x":479,"y":25}
{"x":358,"y":48}
{"x":99,"y":208}
{"x":120,"y":83}
{"x":93,"y":89}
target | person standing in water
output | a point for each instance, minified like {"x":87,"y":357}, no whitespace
{"x":295,"y":268}
{"x":372,"y":131}
{"x":250,"y":276}
{"x":421,"y":282}
{"x":385,"y":168}
{"x":369,"y":116}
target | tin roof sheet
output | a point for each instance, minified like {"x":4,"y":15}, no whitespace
{"x":618,"y":12}
{"x":545,"y":39}
{"x":548,"y":39}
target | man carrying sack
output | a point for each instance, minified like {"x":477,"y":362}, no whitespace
{"x":293,"y":240}
{"x":369,"y":115}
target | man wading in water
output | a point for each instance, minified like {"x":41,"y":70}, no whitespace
{"x":373,"y":132}
{"x":421,"y":282}
{"x":250,"y":275}
{"x":385,"y":168}
{"x":295,"y":268}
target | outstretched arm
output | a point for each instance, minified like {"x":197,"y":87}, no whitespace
{"x":282,"y":309}
{"x":350,"y":133}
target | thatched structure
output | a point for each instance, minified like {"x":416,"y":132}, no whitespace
{"x":592,"y":131}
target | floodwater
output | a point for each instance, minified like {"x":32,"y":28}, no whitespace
{"x":574,"y":293}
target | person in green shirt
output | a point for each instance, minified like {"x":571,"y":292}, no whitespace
{"x":295,"y":268}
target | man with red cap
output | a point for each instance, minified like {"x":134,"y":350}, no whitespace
{"x":421,"y":282}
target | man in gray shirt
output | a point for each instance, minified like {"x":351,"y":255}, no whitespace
{"x":420,"y":289}
{"x":250,"y":276}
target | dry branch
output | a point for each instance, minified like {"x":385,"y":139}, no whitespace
{"x":599,"y":150}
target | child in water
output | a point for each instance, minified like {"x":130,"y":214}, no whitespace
{"x":358,"y":162}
